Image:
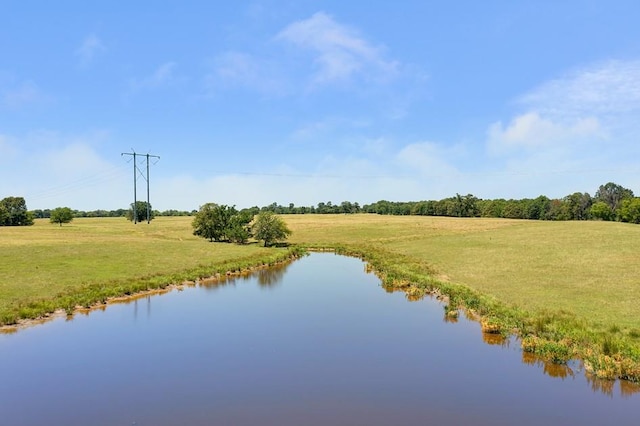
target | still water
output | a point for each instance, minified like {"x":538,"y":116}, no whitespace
{"x":316,"y":342}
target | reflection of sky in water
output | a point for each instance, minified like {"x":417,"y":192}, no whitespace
{"x":324,"y":345}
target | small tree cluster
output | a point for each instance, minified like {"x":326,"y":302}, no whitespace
{"x":222,"y":223}
{"x":13,"y":212}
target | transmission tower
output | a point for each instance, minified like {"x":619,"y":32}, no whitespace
{"x":136,"y":172}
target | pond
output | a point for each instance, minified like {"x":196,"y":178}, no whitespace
{"x":314,"y":342}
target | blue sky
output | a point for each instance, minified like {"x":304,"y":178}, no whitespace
{"x":253,"y":102}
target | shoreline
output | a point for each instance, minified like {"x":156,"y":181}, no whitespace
{"x":601,"y":357}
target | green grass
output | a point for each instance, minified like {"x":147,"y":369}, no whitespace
{"x":568,"y":289}
{"x":46,"y":267}
{"x":591,"y":269}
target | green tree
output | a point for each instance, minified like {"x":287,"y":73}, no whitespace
{"x":630,"y":210}
{"x":578,"y":205}
{"x":239,"y":230}
{"x":61,"y":215}
{"x":13,"y":212}
{"x":613,"y":194}
{"x":211,"y":221}
{"x":601,"y":210}
{"x":270,"y":228}
{"x":140,"y":212}
{"x":217,"y":223}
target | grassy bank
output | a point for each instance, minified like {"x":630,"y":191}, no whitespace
{"x":568,"y":289}
{"x":45,"y":267}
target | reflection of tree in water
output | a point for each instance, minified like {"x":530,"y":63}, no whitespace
{"x":495,"y":339}
{"x":551,"y":369}
{"x":627,"y":388}
{"x":216,"y":282}
{"x":271,"y":276}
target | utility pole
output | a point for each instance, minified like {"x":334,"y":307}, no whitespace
{"x":135,"y":179}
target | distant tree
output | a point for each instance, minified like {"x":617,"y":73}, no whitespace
{"x":13,"y":212}
{"x":61,"y":215}
{"x":630,"y":210}
{"x":537,"y":208}
{"x":270,"y":228}
{"x":140,"y":212}
{"x":492,"y":208}
{"x":613,"y":194}
{"x":578,"y":205}
{"x":558,"y":210}
{"x":212,"y":221}
{"x":4,"y":216}
{"x":601,"y":210}
{"x":466,"y":206}
{"x":513,"y":209}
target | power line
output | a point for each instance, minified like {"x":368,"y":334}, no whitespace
{"x":87,"y":181}
{"x":137,"y":171}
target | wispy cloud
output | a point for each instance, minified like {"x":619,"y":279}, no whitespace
{"x":235,"y":69}
{"x":162,"y":76}
{"x":576,"y":131}
{"x":21,"y":95}
{"x":64,"y":170}
{"x":429,"y":159}
{"x":531,"y":131}
{"x":602,"y":89}
{"x":7,"y":151}
{"x":582,"y":109}
{"x":89,"y":49}
{"x":339,"y":51}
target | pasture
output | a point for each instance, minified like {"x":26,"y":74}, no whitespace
{"x":568,"y":289}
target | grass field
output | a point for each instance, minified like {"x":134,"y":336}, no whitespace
{"x":589,"y":268}
{"x":576,"y":283}
{"x":42,"y":262}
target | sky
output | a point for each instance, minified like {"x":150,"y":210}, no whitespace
{"x":253,"y":102}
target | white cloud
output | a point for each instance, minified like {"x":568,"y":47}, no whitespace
{"x":340,"y":52}
{"x":578,"y":132}
{"x":90,"y":48}
{"x":248,"y":190}
{"x":531,"y":131}
{"x":328,"y":127}
{"x":65,"y":170}
{"x":429,"y":159}
{"x":603,"y":89}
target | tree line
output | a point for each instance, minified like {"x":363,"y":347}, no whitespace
{"x":46,"y":213}
{"x":611,"y":202}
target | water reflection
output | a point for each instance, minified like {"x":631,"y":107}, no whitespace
{"x":266,"y":277}
{"x":495,"y":339}
{"x":551,"y":369}
{"x":271,"y":277}
{"x":323,"y":346}
{"x":607,"y":387}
